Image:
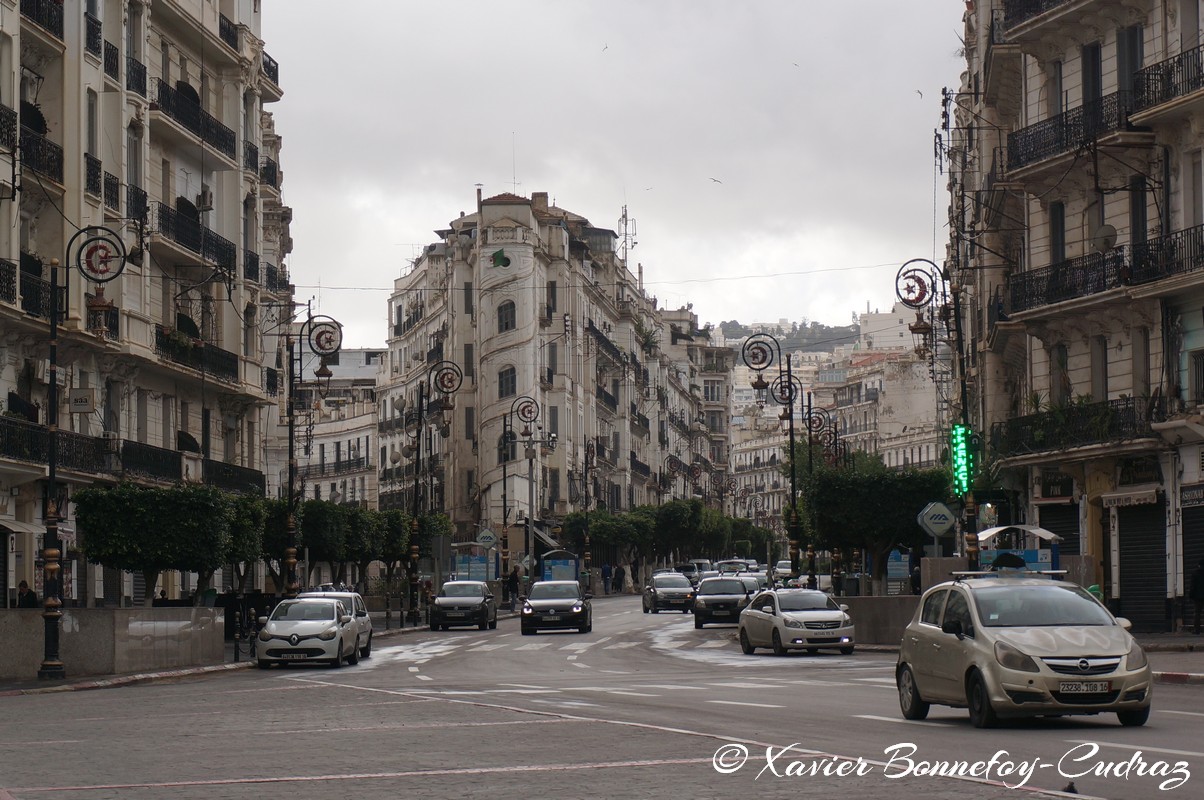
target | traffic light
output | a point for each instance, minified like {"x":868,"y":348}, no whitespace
{"x":961,"y":458}
{"x":500,"y":259}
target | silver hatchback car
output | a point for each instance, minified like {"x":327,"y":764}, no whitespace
{"x":1020,"y":647}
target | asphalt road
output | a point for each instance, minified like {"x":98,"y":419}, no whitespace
{"x":644,"y":706}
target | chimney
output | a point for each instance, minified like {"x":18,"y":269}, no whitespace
{"x":539,"y":200}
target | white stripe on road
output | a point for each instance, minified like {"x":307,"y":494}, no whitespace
{"x":522,"y":686}
{"x":620,"y":645}
{"x":579,"y":664}
{"x":668,"y":686}
{"x":1139,"y":748}
{"x":909,"y":721}
{"x":539,"y":646}
{"x":578,"y":645}
{"x":632,"y":694}
{"x":735,"y":703}
{"x":739,"y":685}
{"x":719,"y":643}
{"x":570,"y":658}
{"x":423,"y":677}
{"x":484,"y":648}
{"x":1185,"y":713}
{"x":413,"y":669}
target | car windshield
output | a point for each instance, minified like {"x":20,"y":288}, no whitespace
{"x":670,"y":582}
{"x":461,"y":590}
{"x":750,"y":582}
{"x":806,"y":602}
{"x":1006,"y":606}
{"x":723,"y":586}
{"x":554,"y":591}
{"x":687,"y":568}
{"x":304,"y":611}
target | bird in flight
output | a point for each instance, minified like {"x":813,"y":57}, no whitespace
{"x":921,"y":94}
{"x":716,"y":180}
{"x":605,"y":47}
{"x":795,"y":63}
{"x":648,"y":189}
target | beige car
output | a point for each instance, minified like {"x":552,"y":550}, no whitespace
{"x":1020,"y":647}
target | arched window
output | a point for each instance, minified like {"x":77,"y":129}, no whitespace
{"x":507,"y":383}
{"x":507,"y":317}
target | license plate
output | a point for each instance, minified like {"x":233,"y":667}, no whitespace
{"x":722,"y":613}
{"x":552,"y":618}
{"x":1084,"y":687}
{"x":294,"y":656}
{"x":455,"y":613}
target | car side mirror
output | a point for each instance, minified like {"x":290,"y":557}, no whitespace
{"x":589,"y":597}
{"x":522,"y":597}
{"x":767,"y":609}
{"x":1124,"y":623}
{"x":361,"y":613}
{"x":953,"y":627}
{"x":844,"y":606}
{"x":263,"y":620}
{"x":345,"y":619}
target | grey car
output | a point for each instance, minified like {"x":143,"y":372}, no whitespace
{"x":464,"y":603}
{"x":720,"y":600}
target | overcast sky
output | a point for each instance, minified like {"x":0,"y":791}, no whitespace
{"x":776,"y":155}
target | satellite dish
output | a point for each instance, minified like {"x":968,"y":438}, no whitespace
{"x":1104,"y":239}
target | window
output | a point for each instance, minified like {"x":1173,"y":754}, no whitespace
{"x":712,"y":391}
{"x":1057,"y":233}
{"x":933,"y":605}
{"x":470,"y":422}
{"x":1128,"y":57}
{"x":468,"y":306}
{"x":958,"y":610}
{"x":551,"y":296}
{"x":507,"y":317}
{"x":469,"y":368}
{"x":1137,"y":208}
{"x":554,"y":420}
{"x":507,"y":383}
{"x":507,"y":447}
{"x":1099,"y":368}
{"x":1141,"y":362}
{"x":133,"y":155}
{"x":1056,"y":103}
{"x":93,"y":121}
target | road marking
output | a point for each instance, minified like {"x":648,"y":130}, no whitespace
{"x":413,"y":669}
{"x":1140,"y":749}
{"x":570,"y":658}
{"x":615,"y":671}
{"x":424,"y":677}
{"x":668,"y":686}
{"x":539,"y":646}
{"x":578,"y":645}
{"x":522,"y":686}
{"x":620,"y":645}
{"x":1185,"y":713}
{"x":909,"y":721}
{"x":566,"y":703}
{"x":713,"y":644}
{"x":603,"y":639}
{"x":669,"y":645}
{"x":632,"y":694}
{"x":579,"y":664}
{"x":739,"y":685}
{"x":736,"y":703}
{"x":484,"y":648}
{"x":891,"y":681}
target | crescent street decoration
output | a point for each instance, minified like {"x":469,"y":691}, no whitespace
{"x":732,"y":484}
{"x":758,"y":352}
{"x":325,"y":336}
{"x":528,"y":411}
{"x":99,"y":253}
{"x":448,"y":377}
{"x":674,"y":465}
{"x":914,"y":284}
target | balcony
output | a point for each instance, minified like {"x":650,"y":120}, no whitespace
{"x":112,"y":192}
{"x":8,"y":281}
{"x":35,"y":295}
{"x":341,"y":467}
{"x":435,"y":354}
{"x":46,"y":13}
{"x":250,"y":265}
{"x":1068,"y":131}
{"x":193,"y":236}
{"x":1077,"y":425}
{"x":135,"y":202}
{"x":271,"y":381}
{"x":187,"y":112}
{"x":92,"y":172}
{"x":1179,"y":253}
{"x":271,"y":69}
{"x":269,"y":173}
{"x":8,"y":128}
{"x":148,"y":461}
{"x":639,"y":467}
{"x":203,"y":357}
{"x":1068,"y":280}
{"x":92,"y":34}
{"x":271,"y":278}
{"x":227,"y":31}
{"x":112,"y":61}
{"x":41,"y":155}
{"x":608,"y":399}
{"x":233,"y":477}
{"x":27,"y":441}
{"x":250,"y":156}
{"x":604,"y":343}
{"x":135,"y":75}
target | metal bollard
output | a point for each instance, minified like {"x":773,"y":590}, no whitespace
{"x":388,"y":611}
{"x":237,"y":634}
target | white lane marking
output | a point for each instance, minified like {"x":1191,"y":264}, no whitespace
{"x":484,"y":648}
{"x":1185,"y":713}
{"x":615,"y":671}
{"x":891,"y":681}
{"x":522,"y":686}
{"x":578,"y":645}
{"x":570,"y":658}
{"x":1138,"y":748}
{"x":424,"y":677}
{"x":736,"y":703}
{"x":539,"y":646}
{"x":736,"y":685}
{"x":632,"y":694}
{"x":566,"y":703}
{"x":719,"y":643}
{"x":603,"y":639}
{"x":579,"y":664}
{"x":667,"y":686}
{"x":669,"y":645}
{"x":413,"y":669}
{"x":620,"y":645}
{"x":902,"y":721}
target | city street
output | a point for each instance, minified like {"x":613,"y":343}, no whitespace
{"x":644,"y":706}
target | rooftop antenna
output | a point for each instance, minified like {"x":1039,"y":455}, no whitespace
{"x":513,"y":168}
{"x":627,"y":233}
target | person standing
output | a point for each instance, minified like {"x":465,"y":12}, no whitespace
{"x":1197,"y":594}
{"x":27,"y":598}
{"x":635,"y":575}
{"x":606,"y":577}
{"x":512,"y":586}
{"x":618,"y":582}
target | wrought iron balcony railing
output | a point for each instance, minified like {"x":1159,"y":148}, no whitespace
{"x":1077,"y":425}
{"x":1175,"y":77}
{"x":92,"y":172}
{"x":92,"y":34}
{"x":28,"y":441}
{"x":271,"y":381}
{"x":250,"y":156}
{"x":271,"y":278}
{"x":8,"y":281}
{"x":269,"y":173}
{"x":151,"y":462}
{"x":195,"y":354}
{"x":608,"y":399}
{"x":112,"y":191}
{"x":1017,"y":11}
{"x":1069,"y":130}
{"x":639,"y":467}
{"x":227,"y":30}
{"x":271,"y":69}
{"x":8,"y":128}
{"x":250,"y":265}
{"x":35,"y":295}
{"x":233,"y":477}
{"x":1077,"y":277}
{"x":112,"y":61}
{"x":192,"y":235}
{"x":1177,"y":253}
{"x":135,"y":202}
{"x":342,"y":467}
{"x":195,"y":119}
{"x":41,"y":154}
{"x":135,"y":75}
{"x":46,"y":13}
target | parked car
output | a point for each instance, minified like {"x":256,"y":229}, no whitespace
{"x":1017,"y":647}
{"x":308,"y":629}
{"x":354,"y":603}
{"x":672,"y":592}
{"x":796,"y":619}
{"x":703,"y":564}
{"x":720,"y":599}
{"x":556,"y":605}
{"x":690,"y":570}
{"x":463,"y":603}
{"x":731,"y":565}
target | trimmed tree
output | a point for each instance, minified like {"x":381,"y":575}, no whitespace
{"x":324,"y":533}
{"x":247,"y":518}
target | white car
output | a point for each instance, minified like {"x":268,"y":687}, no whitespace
{"x":308,"y":629}
{"x":796,"y":619}
{"x":355,"y":605}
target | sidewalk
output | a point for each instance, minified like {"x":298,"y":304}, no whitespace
{"x":1175,"y":658}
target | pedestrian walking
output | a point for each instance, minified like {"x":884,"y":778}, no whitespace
{"x":28,"y":598}
{"x":635,"y":575}
{"x":915,"y":580}
{"x":1197,"y":594}
{"x":512,"y":586}
{"x":618,"y":582}
{"x":606,"y":577}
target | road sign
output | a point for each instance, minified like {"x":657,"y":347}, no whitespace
{"x":486,"y":538}
{"x":936,"y":518}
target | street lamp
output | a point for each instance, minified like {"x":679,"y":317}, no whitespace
{"x":445,"y":377}
{"x":99,"y":254}
{"x":324,"y":338}
{"x":760,"y":352}
{"x":917,"y":284}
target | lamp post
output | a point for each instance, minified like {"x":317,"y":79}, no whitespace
{"x":917,"y":284}
{"x":530,"y":442}
{"x":445,"y":377}
{"x":759,"y":353}
{"x":324,"y":338}
{"x":99,"y":254}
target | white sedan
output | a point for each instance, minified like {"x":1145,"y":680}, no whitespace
{"x":309,"y":629}
{"x":795,"y":619}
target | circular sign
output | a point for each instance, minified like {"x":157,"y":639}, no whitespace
{"x":101,"y":254}
{"x":914,"y":284}
{"x":674,"y":465}
{"x":325,"y":336}
{"x":447,"y":377}
{"x":758,"y":352}
{"x":528,"y":410}
{"x":695,"y":472}
{"x":732,"y":484}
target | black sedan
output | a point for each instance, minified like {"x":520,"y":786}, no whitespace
{"x":720,"y":600}
{"x":670,"y":592}
{"x":557,"y":605}
{"x":464,"y":603}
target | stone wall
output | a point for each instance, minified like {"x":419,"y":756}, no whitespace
{"x":880,"y":620}
{"x":113,"y":641}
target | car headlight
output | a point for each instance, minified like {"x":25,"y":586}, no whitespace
{"x":793,"y":623}
{"x":689,"y":595}
{"x":1012,"y":658}
{"x":847,"y":619}
{"x":328,"y":634}
{"x":528,"y":610}
{"x":700,"y":603}
{"x":577,"y":609}
{"x":264,"y":636}
{"x":1136,"y":658}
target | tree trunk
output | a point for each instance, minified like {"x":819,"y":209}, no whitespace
{"x":202,"y":585}
{"x":151,"y":578}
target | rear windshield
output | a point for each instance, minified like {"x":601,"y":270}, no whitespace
{"x":554,"y":591}
{"x":461,"y":590}
{"x":670,"y":581}
{"x":723,"y":586}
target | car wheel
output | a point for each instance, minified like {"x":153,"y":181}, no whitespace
{"x":698,"y":623}
{"x":354,"y":658}
{"x":655,"y":610}
{"x":645,"y":608}
{"x":493,"y":624}
{"x":982,"y":713}
{"x":482,"y":625}
{"x":778,"y":649}
{"x":746,"y":645}
{"x":910,"y":703}
{"x":337,"y":661}
{"x":846,"y":651}
{"x":366,"y":650}
{"x":1134,"y":718}
{"x":265,"y":664}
